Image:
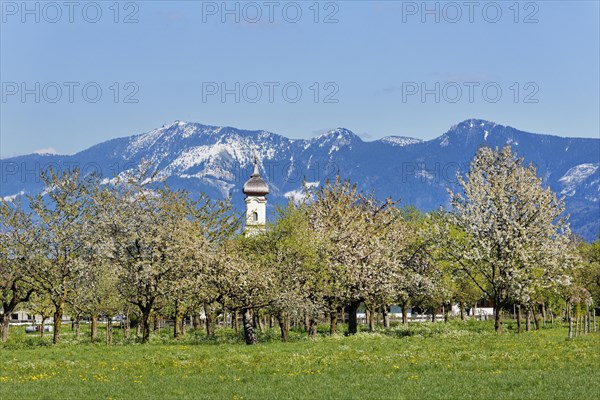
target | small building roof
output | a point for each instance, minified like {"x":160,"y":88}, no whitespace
{"x":255,"y":186}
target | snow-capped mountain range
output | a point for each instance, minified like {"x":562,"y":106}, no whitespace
{"x":218,"y":160}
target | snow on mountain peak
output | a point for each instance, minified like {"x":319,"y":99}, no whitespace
{"x":470,"y":129}
{"x":471,"y":125}
{"x":575,"y":176}
{"x":400,"y":141}
{"x":337,"y":134}
{"x":335,"y":139}
{"x":144,"y":141}
{"x":300,"y":195}
{"x":444,"y":141}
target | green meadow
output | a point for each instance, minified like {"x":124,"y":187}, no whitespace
{"x":458,"y":360}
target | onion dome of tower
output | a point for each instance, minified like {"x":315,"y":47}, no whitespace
{"x":255,"y":186}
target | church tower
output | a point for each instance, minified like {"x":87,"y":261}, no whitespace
{"x":255,"y":190}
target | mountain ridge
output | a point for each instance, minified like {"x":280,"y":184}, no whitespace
{"x":217,"y":160}
{"x":220,"y":128}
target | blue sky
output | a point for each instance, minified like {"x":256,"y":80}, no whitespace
{"x":381,"y":68}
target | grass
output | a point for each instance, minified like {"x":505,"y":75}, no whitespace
{"x":427,"y":361}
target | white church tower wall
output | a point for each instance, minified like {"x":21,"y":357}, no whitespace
{"x":255,"y":190}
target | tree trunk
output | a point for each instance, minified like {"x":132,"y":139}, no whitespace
{"x":177,"y":323}
{"x":156,"y":323}
{"x":8,"y":307}
{"x":386,"y":316}
{"x":312,"y":332}
{"x":519,"y":317}
{"x":209,"y":321}
{"x":4,"y":326}
{"x":127,"y":325}
{"x":93,"y":327}
{"x":284,"y":326}
{"x":306,"y":322}
{"x":196,"y":321}
{"x":404,"y":312}
{"x":146,"y":324}
{"x":570,"y":327}
{"x":58,"y":314}
{"x":234,"y":321}
{"x":257,"y":321}
{"x":333,"y":316}
{"x":432,"y":314}
{"x":527,"y":319}
{"x":77,"y":325}
{"x":461,"y":305}
{"x":371,"y":318}
{"x":43,"y":323}
{"x":138,"y":327}
{"x":352,"y":317}
{"x":249,"y":333}
{"x":109,"y":330}
{"x":544,"y":314}
{"x":498,"y":318}
{"x":536,"y":318}
{"x":446,"y":310}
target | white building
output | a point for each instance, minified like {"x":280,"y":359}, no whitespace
{"x":255,"y":190}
